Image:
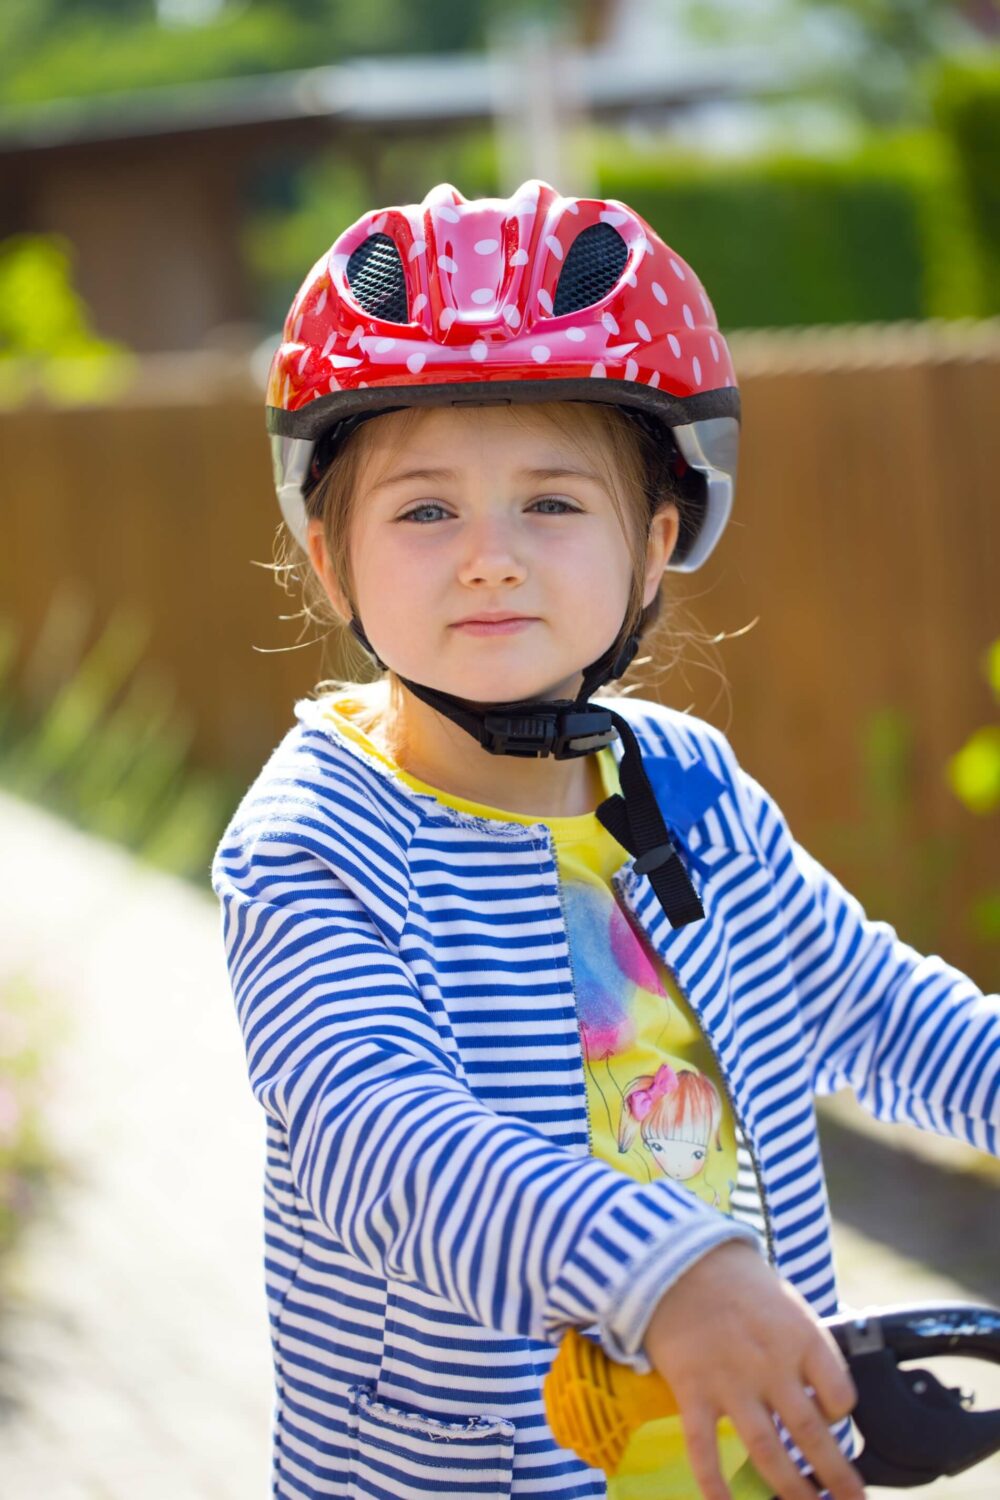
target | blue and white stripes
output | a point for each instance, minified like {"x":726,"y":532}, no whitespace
{"x":433,"y":1220}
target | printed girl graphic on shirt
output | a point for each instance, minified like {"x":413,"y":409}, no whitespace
{"x":678,"y":1115}
{"x":653,"y":1109}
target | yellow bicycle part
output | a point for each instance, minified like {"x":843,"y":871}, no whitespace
{"x":594,"y":1405}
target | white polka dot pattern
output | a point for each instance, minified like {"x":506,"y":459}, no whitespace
{"x":493,"y":321}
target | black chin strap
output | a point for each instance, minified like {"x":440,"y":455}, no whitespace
{"x":564,"y":728}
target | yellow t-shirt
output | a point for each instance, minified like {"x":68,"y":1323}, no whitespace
{"x":656,"y":1103}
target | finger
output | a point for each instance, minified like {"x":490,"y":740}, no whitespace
{"x":825,"y":1370}
{"x":702,"y":1444}
{"x":755,"y":1425}
{"x":808,"y":1429}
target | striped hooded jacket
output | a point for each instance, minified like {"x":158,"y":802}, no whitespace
{"x":433,"y":1219}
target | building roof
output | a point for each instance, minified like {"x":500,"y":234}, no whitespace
{"x":387,"y":92}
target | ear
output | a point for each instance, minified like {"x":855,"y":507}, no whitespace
{"x":664,"y":530}
{"x":319,"y":557}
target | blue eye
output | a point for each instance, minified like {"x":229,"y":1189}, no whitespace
{"x":568,"y":509}
{"x":412,"y":514}
{"x":554,"y":500}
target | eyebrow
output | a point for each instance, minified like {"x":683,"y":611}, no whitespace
{"x":559,"y":472}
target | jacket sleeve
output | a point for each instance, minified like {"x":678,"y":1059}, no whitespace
{"x":911,"y":1035}
{"x":400,"y":1161}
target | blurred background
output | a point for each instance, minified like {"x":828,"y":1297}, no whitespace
{"x":169,"y":170}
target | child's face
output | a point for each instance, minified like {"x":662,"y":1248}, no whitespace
{"x":453,"y":521}
{"x":677,"y":1158}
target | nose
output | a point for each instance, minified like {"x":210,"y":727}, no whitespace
{"x":489,"y":556}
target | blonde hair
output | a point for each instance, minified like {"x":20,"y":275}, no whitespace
{"x":623,"y":453}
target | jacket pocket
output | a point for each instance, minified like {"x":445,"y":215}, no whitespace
{"x":399,"y":1454}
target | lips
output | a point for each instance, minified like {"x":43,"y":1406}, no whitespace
{"x":497,"y":626}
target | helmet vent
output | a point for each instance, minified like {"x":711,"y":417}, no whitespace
{"x":593,"y":265}
{"x":376,"y":279}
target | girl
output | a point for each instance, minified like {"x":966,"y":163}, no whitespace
{"x":678,"y":1115}
{"x":456,"y":897}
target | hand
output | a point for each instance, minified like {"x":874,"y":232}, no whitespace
{"x":733,"y":1339}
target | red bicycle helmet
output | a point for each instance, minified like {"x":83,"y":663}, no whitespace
{"x":535,"y":298}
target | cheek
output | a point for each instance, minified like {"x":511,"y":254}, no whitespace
{"x":596,"y":556}
{"x":398,"y":585}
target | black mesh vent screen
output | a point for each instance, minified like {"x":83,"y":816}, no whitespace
{"x":595,"y":261}
{"x":375,"y":276}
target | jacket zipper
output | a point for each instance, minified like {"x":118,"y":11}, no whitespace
{"x":736,"y":1114}
{"x":576,"y":1012}
{"x":771,"y":1254}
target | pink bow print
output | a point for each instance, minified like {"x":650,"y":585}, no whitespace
{"x":642,"y":1101}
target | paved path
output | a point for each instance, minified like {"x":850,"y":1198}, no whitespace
{"x":134,"y":1358}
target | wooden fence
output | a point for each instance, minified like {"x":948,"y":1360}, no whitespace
{"x":862,"y":548}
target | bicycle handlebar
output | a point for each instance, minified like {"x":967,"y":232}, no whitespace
{"x":914,"y":1428}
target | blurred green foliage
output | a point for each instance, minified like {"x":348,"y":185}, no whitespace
{"x":47,"y":346}
{"x":973,"y":773}
{"x":53,"y":49}
{"x":880,"y":55}
{"x":30,"y":1167}
{"x":876,"y":234}
{"x":93,"y":732}
{"x":967,"y":104}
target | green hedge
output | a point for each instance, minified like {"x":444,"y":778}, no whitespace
{"x":967,"y":106}
{"x":879,"y":235}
